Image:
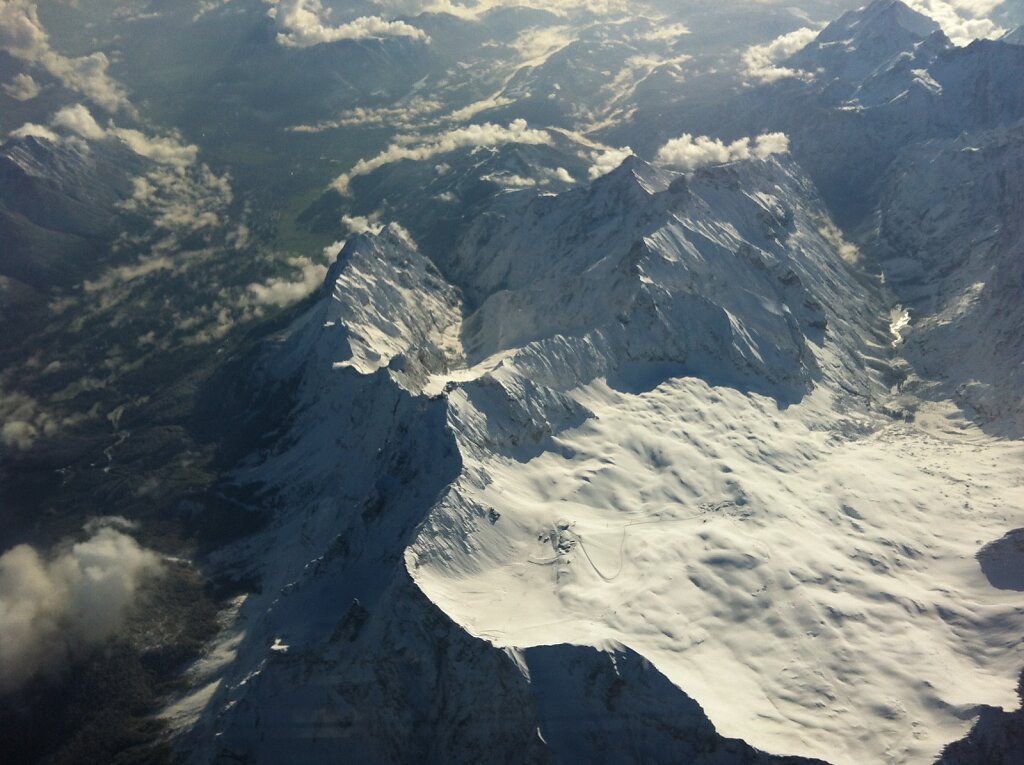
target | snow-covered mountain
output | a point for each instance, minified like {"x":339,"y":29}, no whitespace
{"x":601,"y":384}
{"x":892,"y":102}
{"x":624,"y":450}
{"x":868,"y":40}
{"x":59,"y":206}
{"x":880,"y":79}
{"x":950,"y":241}
{"x":372,"y":453}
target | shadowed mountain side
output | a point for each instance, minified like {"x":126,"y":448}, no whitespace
{"x":996,"y":739}
{"x":1002,"y":561}
{"x":600,"y":708}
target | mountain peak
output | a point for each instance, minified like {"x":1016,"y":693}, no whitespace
{"x":870,"y":40}
{"x":635,"y":171}
{"x":881,"y":18}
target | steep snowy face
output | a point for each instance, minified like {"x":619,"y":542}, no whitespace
{"x":384,"y":304}
{"x":883,"y":89}
{"x":951,"y":244}
{"x":642,"y":417}
{"x":340,"y":636}
{"x":366,"y":462}
{"x":877,"y":18}
{"x":862,"y":42}
{"x":724,"y":275}
{"x":34,"y":171}
{"x":603,"y":503}
{"x":58,"y":202}
{"x":640,"y":449}
{"x":724,"y":507}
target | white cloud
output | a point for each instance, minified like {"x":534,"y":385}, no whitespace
{"x":563,"y":175}
{"x":24,"y":37}
{"x":207,"y":6}
{"x":181,"y":202}
{"x":666,"y":33}
{"x":391,"y":116}
{"x":761,"y":62}
{"x":604,"y":161}
{"x":361,"y":224}
{"x":179,"y":196}
{"x":54,"y":609}
{"x":510,"y":181}
{"x":473,"y":109}
{"x":142,"y":267}
{"x":690,"y":153}
{"x":22,"y":87}
{"x":284,"y":291}
{"x":19,"y":434}
{"x":78,"y":120}
{"x":167,"y":150}
{"x":402,"y":233}
{"x":24,"y":421}
{"x":414,"y":148}
{"x":303,"y":23}
{"x":962,"y":20}
{"x":32,"y":129}
{"x":164,"y":150}
{"x":480,"y":7}
{"x":544,"y":176}
{"x":834,"y":236}
{"x":21,"y":33}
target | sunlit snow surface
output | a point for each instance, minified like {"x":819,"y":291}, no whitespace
{"x":668,"y":436}
{"x":811,"y":583}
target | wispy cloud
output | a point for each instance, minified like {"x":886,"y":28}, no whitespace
{"x":416,"y":148}
{"x":400,"y":116}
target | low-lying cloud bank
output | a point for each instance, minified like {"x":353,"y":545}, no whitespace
{"x":411,"y":147}
{"x":690,"y":153}
{"x":54,"y":609}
